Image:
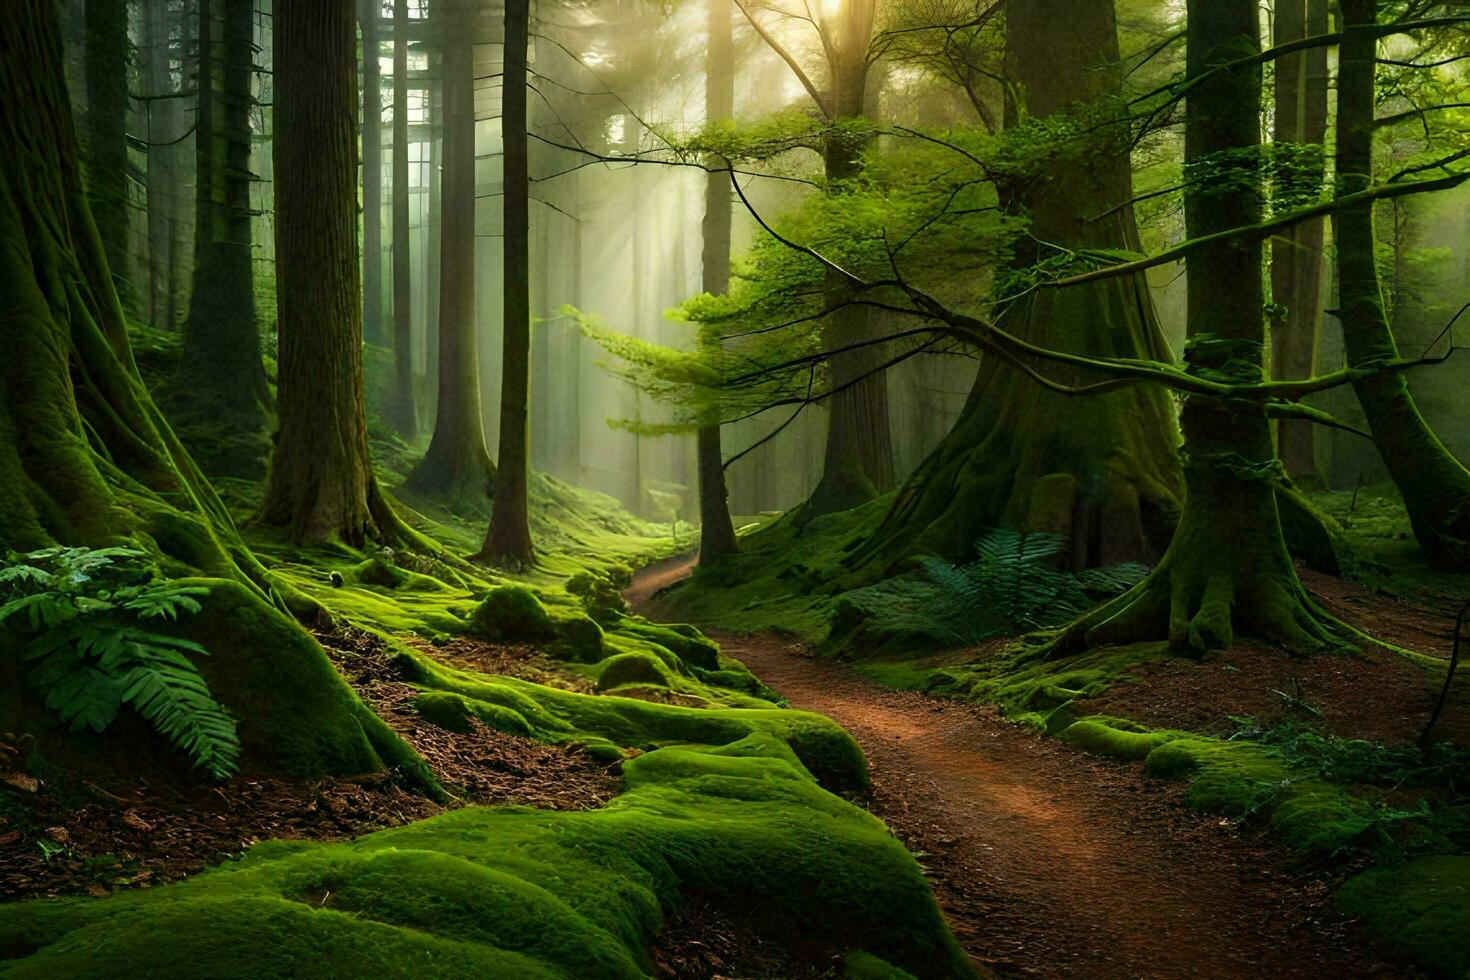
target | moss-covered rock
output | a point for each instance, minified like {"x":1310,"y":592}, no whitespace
{"x":512,"y":614}
{"x":452,"y":712}
{"x":685,"y":642}
{"x":1421,"y":907}
{"x":579,"y":639}
{"x":509,"y":892}
{"x":632,"y":668}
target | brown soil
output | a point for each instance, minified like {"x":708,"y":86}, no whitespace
{"x":1049,"y":862}
{"x":64,"y":835}
{"x":1375,"y":694}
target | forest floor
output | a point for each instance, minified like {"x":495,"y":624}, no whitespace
{"x":1049,"y":861}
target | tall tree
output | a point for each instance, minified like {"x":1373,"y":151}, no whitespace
{"x":456,"y":467}
{"x":88,"y":460}
{"x":321,"y":482}
{"x":106,"y":144}
{"x":508,"y":539}
{"x":1297,"y":255}
{"x":400,"y":409}
{"x":1435,"y":485}
{"x":858,"y":462}
{"x":372,"y":175}
{"x":717,"y":533}
{"x":1227,"y":570}
{"x":222,"y":381}
{"x":163,"y":132}
{"x":1101,"y":471}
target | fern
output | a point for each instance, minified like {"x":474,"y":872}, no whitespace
{"x":1014,"y":583}
{"x":90,"y":656}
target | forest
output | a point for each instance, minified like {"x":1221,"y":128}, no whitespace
{"x":734,"y":488}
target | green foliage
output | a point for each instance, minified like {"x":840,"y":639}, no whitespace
{"x":1015,"y":583}
{"x":1421,"y":907}
{"x":511,"y":614}
{"x":520,"y":892}
{"x":92,"y":650}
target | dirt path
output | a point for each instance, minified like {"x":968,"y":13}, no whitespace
{"x":1052,"y":863}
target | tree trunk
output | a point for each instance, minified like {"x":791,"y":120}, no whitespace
{"x":717,"y":533}
{"x":1297,"y":255}
{"x":399,"y":409}
{"x":858,"y":460}
{"x":457,"y":469}
{"x":1227,"y":571}
{"x":1102,"y":470}
{"x":222,"y":385}
{"x":321,"y":483}
{"x":163,"y":128}
{"x":1435,"y":486}
{"x":508,"y":539}
{"x":86,"y":458}
{"x":106,"y":142}
{"x":372,"y":176}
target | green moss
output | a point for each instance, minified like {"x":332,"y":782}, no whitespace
{"x":579,"y":639}
{"x":685,"y":642}
{"x":1113,"y":738}
{"x":822,"y":747}
{"x":632,"y":668}
{"x":518,"y":892}
{"x":453,"y":713}
{"x":1421,"y":907}
{"x":512,"y":614}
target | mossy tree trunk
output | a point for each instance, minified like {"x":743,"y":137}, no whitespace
{"x":1435,"y":485}
{"x":1297,"y":256}
{"x":87,"y":459}
{"x":399,"y":411}
{"x":321,"y":483}
{"x":221,"y":390}
{"x":371,"y":15}
{"x":106,"y":140}
{"x":1227,"y":571}
{"x":457,"y":468}
{"x":717,"y":533}
{"x":1100,"y":470}
{"x":508,"y":539}
{"x":858,"y":459}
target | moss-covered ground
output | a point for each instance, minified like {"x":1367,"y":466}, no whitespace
{"x":1326,"y":797}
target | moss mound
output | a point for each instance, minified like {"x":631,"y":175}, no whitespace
{"x":512,"y":614}
{"x":632,"y":668}
{"x":524,"y":893}
{"x":1421,"y":907}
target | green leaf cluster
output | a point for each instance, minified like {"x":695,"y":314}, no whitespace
{"x":89,"y":613}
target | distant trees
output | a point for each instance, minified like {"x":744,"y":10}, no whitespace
{"x":457,"y":467}
{"x":399,"y":409}
{"x":508,"y":539}
{"x":222,"y":383}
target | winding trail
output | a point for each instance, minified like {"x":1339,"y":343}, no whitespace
{"x":1052,"y":863}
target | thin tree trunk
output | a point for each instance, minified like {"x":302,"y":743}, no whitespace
{"x":400,"y":403}
{"x":162,"y":129}
{"x":717,"y":533}
{"x":321,"y":483}
{"x":457,"y":469}
{"x":508,"y":539}
{"x":372,"y":175}
{"x":1435,"y":486}
{"x":106,"y":144}
{"x":222,"y":382}
{"x":1227,"y":571}
{"x":1297,"y":255}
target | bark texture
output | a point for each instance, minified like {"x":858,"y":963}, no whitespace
{"x":222,"y":385}
{"x":321,"y":483}
{"x":508,"y":539}
{"x":1227,"y":571}
{"x":164,"y":126}
{"x":456,"y":468}
{"x":106,"y":142}
{"x":1100,"y":470}
{"x":400,"y":410}
{"x":1435,"y":485}
{"x":1297,"y":256}
{"x":373,"y":326}
{"x":717,"y":532}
